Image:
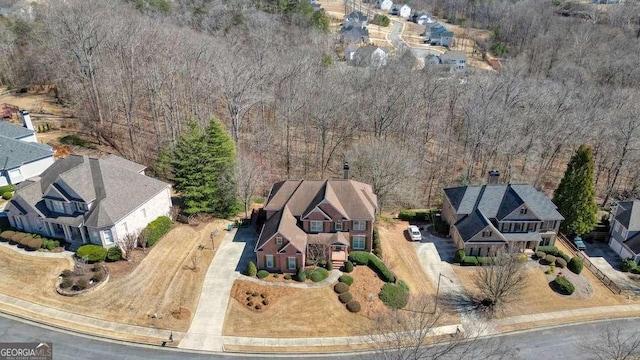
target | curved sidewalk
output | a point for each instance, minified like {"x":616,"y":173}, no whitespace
{"x":333,"y":277}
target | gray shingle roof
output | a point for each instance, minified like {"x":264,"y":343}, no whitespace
{"x":628,"y":214}
{"x":14,"y":153}
{"x":454,"y":55}
{"x":115,"y":190}
{"x":470,"y":225}
{"x":14,"y":131}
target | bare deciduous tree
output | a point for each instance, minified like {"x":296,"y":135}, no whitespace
{"x":503,"y":279}
{"x":614,"y":343}
{"x":249,"y":178}
{"x":127,"y":243}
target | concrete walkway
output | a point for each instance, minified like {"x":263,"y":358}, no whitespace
{"x":43,"y":254}
{"x":333,"y":277}
{"x":567,"y":314}
{"x":205,"y":332}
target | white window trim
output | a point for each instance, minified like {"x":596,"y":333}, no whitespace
{"x":625,"y":232}
{"x":266,"y":261}
{"x":104,"y":237}
{"x":56,"y":209}
{"x":289,"y":263}
{"x":359,"y":225}
{"x":278,"y":240}
{"x":617,"y":227}
{"x":338,"y":226}
{"x":364,"y":242}
{"x":316,"y":222}
{"x":18,"y":220}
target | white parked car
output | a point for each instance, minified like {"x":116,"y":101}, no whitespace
{"x":414,"y":233}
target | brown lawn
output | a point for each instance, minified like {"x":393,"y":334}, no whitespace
{"x":163,"y":282}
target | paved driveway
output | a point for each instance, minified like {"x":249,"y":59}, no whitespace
{"x":205,"y":332}
{"x":607,"y":261}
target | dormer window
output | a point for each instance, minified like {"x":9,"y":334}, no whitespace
{"x":486,"y":233}
{"x":338,"y":226}
{"x":278,"y":241}
{"x":57,"y":206}
{"x":523,"y":211}
{"x":315,"y":226}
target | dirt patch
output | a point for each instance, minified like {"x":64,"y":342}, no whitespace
{"x":365,"y":289}
{"x":181,"y":314}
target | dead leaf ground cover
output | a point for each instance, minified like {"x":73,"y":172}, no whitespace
{"x":162,"y":282}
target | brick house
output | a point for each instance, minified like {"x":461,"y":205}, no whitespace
{"x":315,"y":219}
{"x":486,"y":218}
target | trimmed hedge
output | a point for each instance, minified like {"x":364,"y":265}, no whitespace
{"x":365,"y":258}
{"x":550,"y":259}
{"x":251,"y":269}
{"x":317,"y":274}
{"x":552,"y":250}
{"x":575,"y":265}
{"x":7,"y":235}
{"x":562,"y":263}
{"x":348,"y":266}
{"x":7,"y":188}
{"x":377,"y":246}
{"x":156,"y":229}
{"x":34,"y":243}
{"x":262,"y":274}
{"x":353,"y":306}
{"x":114,"y":254}
{"x":540,"y":254}
{"x":469,"y":261}
{"x":403,"y":285}
{"x":459,"y":256}
{"x":563,"y":285}
{"x":301,"y":276}
{"x":346,"y":279}
{"x":359,"y":257}
{"x":484,"y":260}
{"x":50,"y":244}
{"x":406,"y":215}
{"x":94,"y":253}
{"x":7,"y":195}
{"x":341,"y":288}
{"x":394,"y":296}
{"x":345,"y":297}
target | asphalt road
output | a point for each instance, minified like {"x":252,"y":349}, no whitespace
{"x":559,"y":343}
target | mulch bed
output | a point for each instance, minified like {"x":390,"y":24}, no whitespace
{"x":584,"y":290}
{"x":90,"y":274}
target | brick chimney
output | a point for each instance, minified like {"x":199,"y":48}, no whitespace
{"x":345,"y":170}
{"x":494,"y":177}
{"x":26,"y":119}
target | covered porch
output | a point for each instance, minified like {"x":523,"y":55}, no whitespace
{"x":73,"y":235}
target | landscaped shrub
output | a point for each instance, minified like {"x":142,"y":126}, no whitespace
{"x":301,"y":276}
{"x":97,"y":277}
{"x":627,"y":264}
{"x":21,"y":238}
{"x":156,"y":229}
{"x":483,"y":260}
{"x":251,"y":269}
{"x":345,"y":297}
{"x":341,"y":288}
{"x":381,"y":269}
{"x":564,"y":256}
{"x":66,"y":273}
{"x":563,"y":285}
{"x":540,"y":254}
{"x":394,"y":296}
{"x":6,"y":188}
{"x":469,"y":261}
{"x":406,"y":215}
{"x":318,"y":274}
{"x":114,"y":254}
{"x":635,"y":270}
{"x":50,"y":244}
{"x":550,"y":259}
{"x":359,"y":257}
{"x":348,"y":266}
{"x":575,"y":265}
{"x":346,"y":279}
{"x":93,"y":253}
{"x":287,"y":276}
{"x":377,"y":246}
{"x":548,"y":250}
{"x":66,"y":283}
{"x":34,"y":243}
{"x":329,"y":266}
{"x":7,"y":235}
{"x":353,"y":306}
{"x":403,"y":285}
{"x":262,"y":274}
{"x":81,"y":284}
{"x":7,"y":195}
{"x":459,"y":256}
{"x":562,"y":263}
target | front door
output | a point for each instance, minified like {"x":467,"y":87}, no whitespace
{"x":291,"y":262}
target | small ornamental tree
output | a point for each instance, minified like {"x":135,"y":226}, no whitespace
{"x":575,"y":196}
{"x":251,"y":269}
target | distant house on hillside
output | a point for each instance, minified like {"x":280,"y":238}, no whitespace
{"x":21,"y":156}
{"x":437,"y":34}
{"x":321,"y":219}
{"x":368,"y":56}
{"x":625,"y":229}
{"x":457,"y":59}
{"x":85,"y":200}
{"x":421,"y":17}
{"x":487,"y":218}
{"x":384,"y":4}
{"x":354,"y":35}
{"x":402,"y":10}
{"x":356,"y":19}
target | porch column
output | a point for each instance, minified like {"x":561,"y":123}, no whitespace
{"x":67,"y":233}
{"x":84,"y":239}
{"x":48,"y":227}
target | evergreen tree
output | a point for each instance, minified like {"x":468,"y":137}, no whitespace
{"x":575,"y":196}
{"x":203,"y":169}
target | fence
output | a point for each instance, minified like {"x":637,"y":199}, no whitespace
{"x":587,"y":263}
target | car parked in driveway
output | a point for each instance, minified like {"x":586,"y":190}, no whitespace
{"x":414,"y":233}
{"x":577,"y":241}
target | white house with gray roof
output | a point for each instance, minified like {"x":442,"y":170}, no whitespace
{"x":486,"y":218}
{"x":21,"y":156}
{"x":88,"y":200}
{"x":625,"y":229}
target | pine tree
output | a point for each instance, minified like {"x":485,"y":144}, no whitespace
{"x":575,"y":196}
{"x":203,"y":169}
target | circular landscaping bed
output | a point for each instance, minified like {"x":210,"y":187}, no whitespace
{"x":82,"y":279}
{"x":561,"y":274}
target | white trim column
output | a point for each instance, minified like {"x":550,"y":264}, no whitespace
{"x":84,"y":239}
{"x":67,"y":233}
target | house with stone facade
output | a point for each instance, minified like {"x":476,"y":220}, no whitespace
{"x":484,"y":219}
{"x":86,"y":200}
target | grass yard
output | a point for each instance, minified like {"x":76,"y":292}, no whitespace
{"x":163,"y":282}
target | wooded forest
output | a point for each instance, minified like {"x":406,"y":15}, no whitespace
{"x":136,"y":72}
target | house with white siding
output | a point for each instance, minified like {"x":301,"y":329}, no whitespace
{"x":625,"y":229}
{"x":86,"y":200}
{"x":21,"y":156}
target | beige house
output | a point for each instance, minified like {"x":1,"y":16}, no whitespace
{"x":486,"y":218}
